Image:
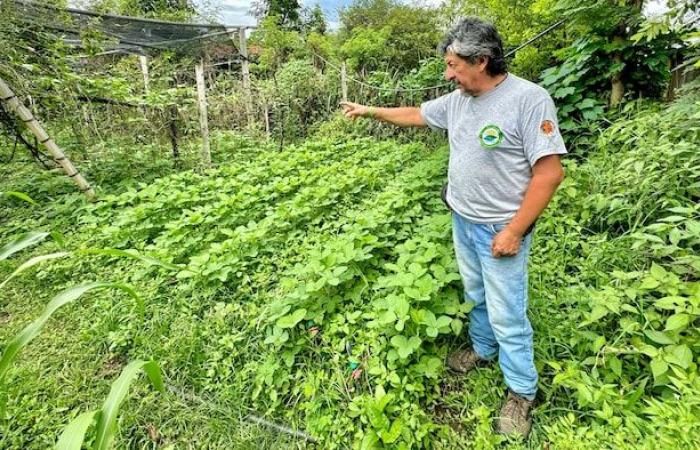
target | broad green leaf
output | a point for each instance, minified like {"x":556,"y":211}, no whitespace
{"x":20,"y":195}
{"x":33,"y":262}
{"x":291,"y":320}
{"x":404,"y":346}
{"x":649,"y":283}
{"x":107,"y":420}
{"x":658,"y":272}
{"x":659,"y":337}
{"x":658,"y":367}
{"x":133,"y":254}
{"x":429,"y":366}
{"x":670,"y":302}
{"x":74,"y":434}
{"x":456,"y":326}
{"x":674,"y":236}
{"x":22,"y":242}
{"x":443,"y":321}
{"x":680,"y":355}
{"x":390,"y":436}
{"x":677,"y":322}
{"x":33,"y":329}
{"x":615,"y":365}
{"x":386,"y":317}
{"x":370,"y":441}
{"x":401,"y":307}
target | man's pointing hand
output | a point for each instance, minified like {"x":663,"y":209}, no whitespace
{"x":353,"y":110}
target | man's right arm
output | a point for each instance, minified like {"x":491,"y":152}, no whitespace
{"x":402,"y":117}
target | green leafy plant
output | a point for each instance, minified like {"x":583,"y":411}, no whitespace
{"x":105,"y":420}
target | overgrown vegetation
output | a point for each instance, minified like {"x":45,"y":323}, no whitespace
{"x":330,"y":306}
{"x":303,"y":292}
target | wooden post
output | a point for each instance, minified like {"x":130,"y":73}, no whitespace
{"x":245,"y":72}
{"x":202,"y":102}
{"x":267,"y":120}
{"x":11,"y":100}
{"x":242,"y":45}
{"x":144,"y":70}
{"x":344,"y":81}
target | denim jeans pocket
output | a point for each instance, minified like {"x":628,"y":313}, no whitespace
{"x":497,"y":227}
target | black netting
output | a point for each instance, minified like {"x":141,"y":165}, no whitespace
{"x":129,"y":34}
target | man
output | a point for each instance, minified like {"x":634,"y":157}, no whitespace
{"x":504,"y":168}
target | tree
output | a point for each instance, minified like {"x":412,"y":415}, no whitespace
{"x":315,"y":21}
{"x":384,"y":34}
{"x":286,"y":12}
{"x":613,"y":22}
{"x":516,"y":23}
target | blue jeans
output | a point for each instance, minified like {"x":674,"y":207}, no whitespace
{"x":498,"y":324}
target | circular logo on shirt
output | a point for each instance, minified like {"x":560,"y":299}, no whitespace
{"x":490,"y":136}
{"x":547,"y":127}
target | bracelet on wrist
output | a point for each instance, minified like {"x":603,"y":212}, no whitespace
{"x":371,"y":112}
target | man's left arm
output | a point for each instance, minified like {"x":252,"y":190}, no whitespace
{"x":547,"y":174}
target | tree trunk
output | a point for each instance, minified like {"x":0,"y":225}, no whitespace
{"x":617,"y":87}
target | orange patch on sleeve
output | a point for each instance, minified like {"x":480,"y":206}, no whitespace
{"x":547,"y":127}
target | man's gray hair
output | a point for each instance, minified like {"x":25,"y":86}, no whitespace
{"x":471,"y":38}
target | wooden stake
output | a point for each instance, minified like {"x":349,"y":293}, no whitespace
{"x":144,"y":70}
{"x":344,"y":81}
{"x":245,"y":70}
{"x":202,"y":102}
{"x":11,"y":100}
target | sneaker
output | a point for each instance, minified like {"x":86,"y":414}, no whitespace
{"x":515,"y":416}
{"x":465,"y":360}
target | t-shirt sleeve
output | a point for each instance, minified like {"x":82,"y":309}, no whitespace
{"x":540,"y":128}
{"x":434,"y":112}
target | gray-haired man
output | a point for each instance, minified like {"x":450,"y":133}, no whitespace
{"x":504,"y":168}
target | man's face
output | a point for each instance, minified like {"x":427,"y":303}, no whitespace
{"x":466,"y":76}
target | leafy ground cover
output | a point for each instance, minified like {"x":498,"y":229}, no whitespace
{"x":316,"y":288}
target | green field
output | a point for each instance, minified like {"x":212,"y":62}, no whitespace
{"x":316,"y":288}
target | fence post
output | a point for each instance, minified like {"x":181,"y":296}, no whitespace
{"x":143,"y":60}
{"x":344,"y":81}
{"x":202,"y":102}
{"x":245,"y":71}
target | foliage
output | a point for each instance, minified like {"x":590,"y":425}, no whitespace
{"x":32,"y":330}
{"x":331,"y":305}
{"x":620,"y":65}
{"x":516,"y":23}
{"x":386,"y":35}
{"x":106,"y":418}
{"x":277,"y":44}
{"x":284,"y":13}
{"x":314,"y":284}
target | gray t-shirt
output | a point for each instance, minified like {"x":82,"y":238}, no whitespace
{"x":495,"y":139}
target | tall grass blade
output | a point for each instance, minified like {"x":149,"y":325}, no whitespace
{"x":19,"y":195}
{"x":107,"y":420}
{"x":33,"y":262}
{"x":33,"y":329}
{"x":129,"y":254}
{"x":22,"y":242}
{"x":74,"y":434}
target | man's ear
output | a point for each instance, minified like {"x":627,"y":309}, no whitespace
{"x":482,"y":62}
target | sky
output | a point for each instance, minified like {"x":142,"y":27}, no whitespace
{"x":236,"y":12}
